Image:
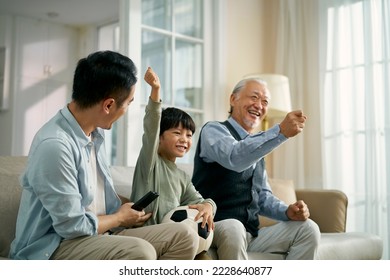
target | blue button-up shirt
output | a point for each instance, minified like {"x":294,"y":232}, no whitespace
{"x":219,"y":146}
{"x":57,"y":188}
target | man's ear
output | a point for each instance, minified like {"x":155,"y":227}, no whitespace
{"x":108,"y":104}
{"x":232,"y":99}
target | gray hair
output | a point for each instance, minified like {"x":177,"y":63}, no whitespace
{"x":238,"y":87}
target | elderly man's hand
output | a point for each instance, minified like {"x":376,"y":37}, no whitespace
{"x":298,"y":211}
{"x":293,"y":123}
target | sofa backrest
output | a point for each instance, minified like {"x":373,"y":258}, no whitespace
{"x":123,"y":177}
{"x":11,"y":168}
{"x":285,"y":191}
{"x":10,"y":192}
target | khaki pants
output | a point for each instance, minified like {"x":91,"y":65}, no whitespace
{"x":163,"y":241}
{"x":296,"y":240}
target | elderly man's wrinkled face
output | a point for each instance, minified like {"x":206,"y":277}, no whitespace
{"x":250,"y":105}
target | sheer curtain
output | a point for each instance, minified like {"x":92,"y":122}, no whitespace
{"x":296,"y":56}
{"x":355,"y":99}
{"x":336,"y":54}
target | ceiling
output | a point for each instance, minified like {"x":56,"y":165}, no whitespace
{"x":69,"y":12}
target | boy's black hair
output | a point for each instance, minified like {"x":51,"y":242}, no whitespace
{"x":102,"y":75}
{"x":172,"y":117}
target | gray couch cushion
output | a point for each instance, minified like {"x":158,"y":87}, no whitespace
{"x":350,"y":246}
{"x":123,"y":179}
{"x":10,"y":169}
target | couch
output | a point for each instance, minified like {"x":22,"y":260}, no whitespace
{"x":327,"y":207}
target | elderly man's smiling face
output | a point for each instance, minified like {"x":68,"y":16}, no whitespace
{"x":250,"y":105}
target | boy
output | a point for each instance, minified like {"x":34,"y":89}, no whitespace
{"x":156,"y":169}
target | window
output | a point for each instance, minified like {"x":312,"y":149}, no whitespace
{"x":356,"y":117}
{"x":172,"y":41}
{"x":108,"y":39}
{"x":173,"y":44}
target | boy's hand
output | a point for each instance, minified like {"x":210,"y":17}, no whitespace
{"x":152,"y":79}
{"x":205,"y":212}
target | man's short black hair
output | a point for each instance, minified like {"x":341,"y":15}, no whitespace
{"x":102,"y":75}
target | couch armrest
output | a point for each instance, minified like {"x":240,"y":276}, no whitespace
{"x":328,"y":208}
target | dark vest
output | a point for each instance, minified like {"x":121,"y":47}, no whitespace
{"x":232,"y":191}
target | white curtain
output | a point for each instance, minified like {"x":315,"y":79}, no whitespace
{"x":297,"y":48}
{"x":355,"y":101}
{"x":336,"y":54}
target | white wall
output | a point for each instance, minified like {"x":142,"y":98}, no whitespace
{"x":43,"y":59}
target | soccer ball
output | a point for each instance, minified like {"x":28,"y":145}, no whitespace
{"x":183,"y":214}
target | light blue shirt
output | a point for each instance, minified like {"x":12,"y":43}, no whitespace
{"x":57,"y":188}
{"x":218,"y":145}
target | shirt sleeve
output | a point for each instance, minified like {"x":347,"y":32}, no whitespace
{"x":269,"y":205}
{"x":148,"y":154}
{"x":218,"y":145}
{"x":150,"y":138}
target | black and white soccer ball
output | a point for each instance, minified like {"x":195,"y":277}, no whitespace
{"x":183,"y":214}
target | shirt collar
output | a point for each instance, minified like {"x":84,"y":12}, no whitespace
{"x":97,"y":134}
{"x":240,"y":130}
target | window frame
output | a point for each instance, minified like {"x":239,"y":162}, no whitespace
{"x":130,"y":127}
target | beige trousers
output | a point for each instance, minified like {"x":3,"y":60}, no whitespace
{"x":295,"y":240}
{"x":163,"y":241}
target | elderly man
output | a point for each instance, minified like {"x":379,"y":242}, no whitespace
{"x":229,"y":168}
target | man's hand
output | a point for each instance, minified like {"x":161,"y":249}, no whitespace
{"x":124,"y":217}
{"x":293,"y":123}
{"x":298,"y":211}
{"x":129,"y":217}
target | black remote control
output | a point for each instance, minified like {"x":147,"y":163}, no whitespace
{"x":145,"y":200}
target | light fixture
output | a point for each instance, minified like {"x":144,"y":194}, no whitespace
{"x":280,"y":102}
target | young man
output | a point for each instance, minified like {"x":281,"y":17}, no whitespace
{"x":229,"y":168}
{"x":156,"y":169}
{"x":69,"y":208}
